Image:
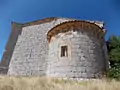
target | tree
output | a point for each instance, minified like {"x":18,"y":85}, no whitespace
{"x":113,"y":45}
{"x":114,"y":49}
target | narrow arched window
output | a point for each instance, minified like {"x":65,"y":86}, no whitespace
{"x":64,"y":51}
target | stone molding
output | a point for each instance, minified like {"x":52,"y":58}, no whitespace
{"x":76,"y":25}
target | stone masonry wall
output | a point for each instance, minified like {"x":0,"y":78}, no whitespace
{"x":85,"y":56}
{"x":31,"y":50}
{"x":15,"y":32}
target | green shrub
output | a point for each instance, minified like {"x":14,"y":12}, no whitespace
{"x":113,"y":45}
{"x":114,"y":71}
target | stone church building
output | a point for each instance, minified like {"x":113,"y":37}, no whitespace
{"x":56,"y":47}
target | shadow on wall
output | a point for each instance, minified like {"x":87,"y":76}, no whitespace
{"x":16,"y":31}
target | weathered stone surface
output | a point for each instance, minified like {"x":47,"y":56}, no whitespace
{"x":85,"y":55}
{"x":16,"y":31}
{"x":31,"y":49}
{"x":29,"y":53}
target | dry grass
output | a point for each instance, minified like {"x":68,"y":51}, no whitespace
{"x":41,"y":83}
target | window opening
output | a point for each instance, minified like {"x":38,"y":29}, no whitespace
{"x":64,"y":51}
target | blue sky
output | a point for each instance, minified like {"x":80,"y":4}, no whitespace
{"x":107,"y":11}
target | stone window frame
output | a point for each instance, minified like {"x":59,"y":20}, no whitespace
{"x":64,"y":51}
{"x":64,"y":43}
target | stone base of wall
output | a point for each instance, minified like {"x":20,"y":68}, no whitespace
{"x":3,"y":70}
{"x":76,"y":79}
